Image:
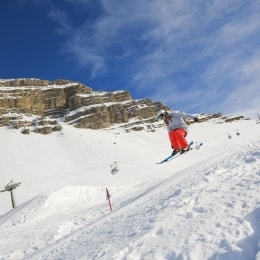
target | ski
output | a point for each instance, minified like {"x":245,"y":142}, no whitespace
{"x":168,"y":158}
{"x":171,"y":157}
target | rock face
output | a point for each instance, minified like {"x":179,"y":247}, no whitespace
{"x":30,"y":103}
{"x":102,"y":109}
{"x":39,"y":97}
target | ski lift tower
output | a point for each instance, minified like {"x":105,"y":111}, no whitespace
{"x":10,"y":187}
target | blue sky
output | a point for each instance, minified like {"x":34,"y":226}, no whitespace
{"x":193,"y":55}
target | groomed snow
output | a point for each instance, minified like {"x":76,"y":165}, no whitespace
{"x":202,"y":205}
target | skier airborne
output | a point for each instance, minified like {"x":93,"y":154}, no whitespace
{"x":177,"y":129}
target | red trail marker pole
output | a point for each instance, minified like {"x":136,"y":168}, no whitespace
{"x":108,"y":198}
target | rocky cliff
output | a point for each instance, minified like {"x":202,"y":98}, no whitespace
{"x":42,"y":105}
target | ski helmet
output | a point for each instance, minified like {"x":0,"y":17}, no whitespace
{"x":161,"y":113}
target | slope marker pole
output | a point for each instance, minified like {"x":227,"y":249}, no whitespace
{"x":108,"y":198}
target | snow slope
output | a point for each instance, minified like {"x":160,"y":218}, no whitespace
{"x":201,"y":205}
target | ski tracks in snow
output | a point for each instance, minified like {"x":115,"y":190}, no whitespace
{"x":168,"y":220}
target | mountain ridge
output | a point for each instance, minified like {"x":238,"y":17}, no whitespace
{"x":43,"y":106}
{"x":30,"y":103}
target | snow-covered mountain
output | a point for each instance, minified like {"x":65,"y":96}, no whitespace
{"x":40,"y":105}
{"x":201,"y":205}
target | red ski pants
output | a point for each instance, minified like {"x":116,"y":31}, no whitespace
{"x":177,"y":138}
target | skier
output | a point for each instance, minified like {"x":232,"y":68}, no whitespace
{"x":177,"y":129}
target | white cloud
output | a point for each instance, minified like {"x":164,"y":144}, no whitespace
{"x":204,"y":51}
{"x":61,"y":18}
{"x":89,"y":58}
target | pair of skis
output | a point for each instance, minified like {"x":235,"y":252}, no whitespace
{"x":171,"y":157}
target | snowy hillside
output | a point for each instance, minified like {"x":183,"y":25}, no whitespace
{"x":202,"y":205}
